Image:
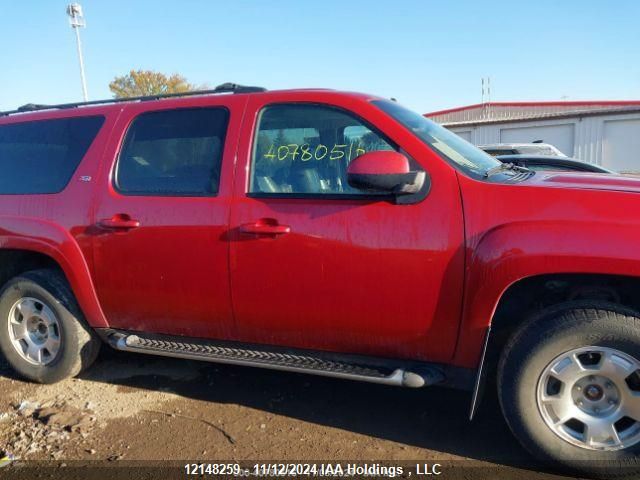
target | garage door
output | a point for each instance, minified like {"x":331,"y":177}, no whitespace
{"x":466,"y":134}
{"x":560,"y":136}
{"x":621,"y":145}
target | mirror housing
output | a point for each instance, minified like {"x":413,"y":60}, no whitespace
{"x":384,"y":172}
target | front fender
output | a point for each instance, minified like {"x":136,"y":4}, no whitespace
{"x":56,"y":242}
{"x":511,"y":252}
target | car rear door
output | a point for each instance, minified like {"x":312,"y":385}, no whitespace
{"x":317,"y":264}
{"x":160,"y":244}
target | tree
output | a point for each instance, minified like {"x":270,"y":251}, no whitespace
{"x":139,"y":83}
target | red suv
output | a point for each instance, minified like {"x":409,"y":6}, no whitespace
{"x":332,"y":233}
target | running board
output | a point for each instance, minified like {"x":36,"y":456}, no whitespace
{"x":350,"y":367}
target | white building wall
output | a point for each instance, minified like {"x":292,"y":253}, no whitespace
{"x":561,"y":135}
{"x":589,"y":136}
{"x":509,"y":111}
{"x":621,"y":144}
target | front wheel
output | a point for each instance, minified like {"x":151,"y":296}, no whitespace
{"x":569,"y":387}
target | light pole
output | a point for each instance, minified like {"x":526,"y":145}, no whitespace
{"x":76,"y":20}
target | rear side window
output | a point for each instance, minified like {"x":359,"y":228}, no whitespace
{"x":173,"y":152}
{"x":40,"y":157}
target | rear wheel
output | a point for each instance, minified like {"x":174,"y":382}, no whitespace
{"x":569,"y":386}
{"x":43,"y":335}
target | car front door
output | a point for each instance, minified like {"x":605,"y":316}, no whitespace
{"x":318,"y":264}
{"x":160,"y":246}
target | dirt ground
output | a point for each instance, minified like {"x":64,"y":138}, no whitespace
{"x":133,"y":407}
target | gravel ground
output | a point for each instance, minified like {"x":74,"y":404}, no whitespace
{"x":140,"y":408}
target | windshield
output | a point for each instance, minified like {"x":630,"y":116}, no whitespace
{"x":457,"y":150}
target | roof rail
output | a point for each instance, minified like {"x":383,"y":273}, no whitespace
{"x":224,"y":88}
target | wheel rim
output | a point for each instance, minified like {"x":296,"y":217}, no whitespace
{"x":34,"y":331}
{"x":590,"y":397}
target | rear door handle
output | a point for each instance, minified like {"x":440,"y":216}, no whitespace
{"x":121,"y":221}
{"x":265,"y":226}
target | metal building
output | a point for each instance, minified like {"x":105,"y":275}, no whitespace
{"x":606,"y":133}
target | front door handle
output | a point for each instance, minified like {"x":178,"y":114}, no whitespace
{"x":265,"y":226}
{"x":121,"y":221}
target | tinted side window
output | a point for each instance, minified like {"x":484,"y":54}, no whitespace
{"x":173,"y":152}
{"x":40,"y":157}
{"x":495,"y":153}
{"x":536,"y":150}
{"x":305,"y":149}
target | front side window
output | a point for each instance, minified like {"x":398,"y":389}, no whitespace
{"x":306,"y":149}
{"x":173,"y":152}
{"x":40,"y":157}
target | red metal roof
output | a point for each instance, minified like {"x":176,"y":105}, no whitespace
{"x":558,"y":103}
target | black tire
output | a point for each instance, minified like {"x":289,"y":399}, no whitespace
{"x":79,"y":345}
{"x":532,"y":348}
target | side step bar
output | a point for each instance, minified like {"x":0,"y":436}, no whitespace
{"x":351,"y":367}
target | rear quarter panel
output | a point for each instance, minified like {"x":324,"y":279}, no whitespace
{"x":58,"y":225}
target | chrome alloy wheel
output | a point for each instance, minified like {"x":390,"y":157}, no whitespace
{"x":34,"y":331}
{"x":590,"y":397}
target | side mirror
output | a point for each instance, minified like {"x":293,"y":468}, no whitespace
{"x":384,"y":171}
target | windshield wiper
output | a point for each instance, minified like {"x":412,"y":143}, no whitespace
{"x":505,"y":167}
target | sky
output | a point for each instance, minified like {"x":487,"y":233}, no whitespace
{"x":430,"y":55}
